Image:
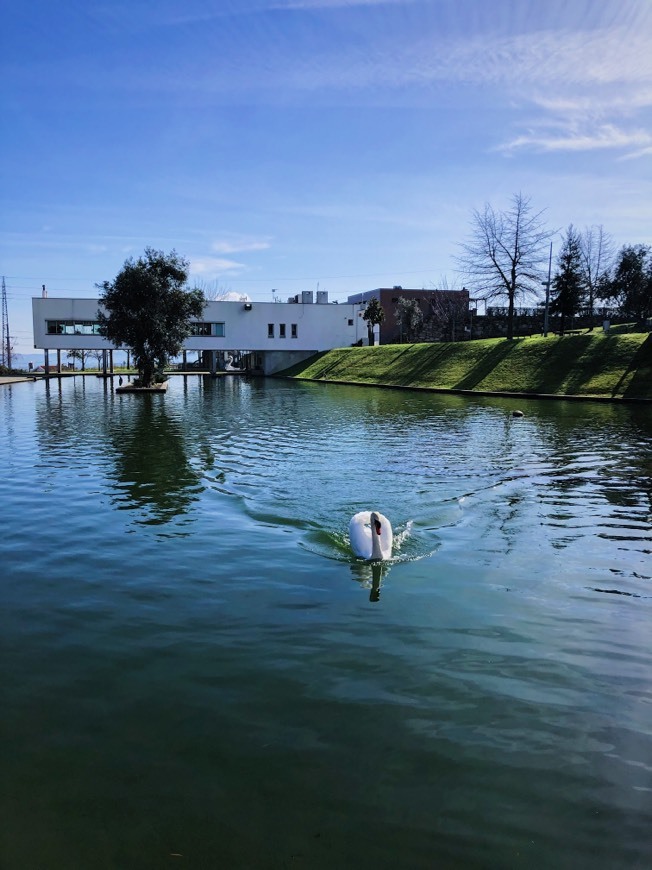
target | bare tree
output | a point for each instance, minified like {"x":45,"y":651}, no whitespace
{"x":597,"y":255}
{"x":97,"y":355}
{"x":216,"y":292}
{"x":409,"y":317}
{"x":505,"y":252}
{"x":448,"y":309}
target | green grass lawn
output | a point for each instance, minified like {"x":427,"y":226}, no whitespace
{"x":592,"y":364}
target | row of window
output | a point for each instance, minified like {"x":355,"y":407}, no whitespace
{"x":215,"y":330}
{"x":294,"y":330}
{"x":73,"y":327}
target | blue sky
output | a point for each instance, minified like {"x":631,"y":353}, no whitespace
{"x":304,"y":144}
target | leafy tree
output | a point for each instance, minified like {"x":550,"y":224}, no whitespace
{"x":374,"y":314}
{"x":631,"y":285}
{"x":505,"y":252}
{"x":568,"y":282}
{"x":409,"y":317}
{"x":596,"y":250}
{"x":148,"y":310}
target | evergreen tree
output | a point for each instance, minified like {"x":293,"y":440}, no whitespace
{"x":568,"y":284}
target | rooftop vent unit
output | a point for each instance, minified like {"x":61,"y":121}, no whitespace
{"x":322,"y":297}
{"x":306,"y":297}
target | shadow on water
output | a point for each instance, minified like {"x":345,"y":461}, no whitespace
{"x":151,"y":468}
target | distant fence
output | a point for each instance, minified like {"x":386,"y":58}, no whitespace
{"x":538,"y":312}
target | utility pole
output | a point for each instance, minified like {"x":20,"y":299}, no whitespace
{"x":546,"y":284}
{"x":6,"y":339}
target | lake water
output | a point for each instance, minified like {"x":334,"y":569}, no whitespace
{"x":198,"y":673}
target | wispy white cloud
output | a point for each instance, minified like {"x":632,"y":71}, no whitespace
{"x":634,"y":155}
{"x":215,"y":266}
{"x":239,"y":246}
{"x":575,"y":137}
{"x":335,"y":4}
{"x":588,"y":90}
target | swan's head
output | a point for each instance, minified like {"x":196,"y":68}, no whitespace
{"x":376,"y":525}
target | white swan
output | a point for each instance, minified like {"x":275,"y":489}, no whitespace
{"x":371,"y":535}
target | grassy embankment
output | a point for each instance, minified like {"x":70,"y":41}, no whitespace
{"x":590,"y":365}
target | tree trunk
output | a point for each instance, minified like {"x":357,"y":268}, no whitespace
{"x":510,"y":317}
{"x":146,"y":374}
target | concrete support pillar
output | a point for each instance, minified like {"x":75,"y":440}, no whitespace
{"x":58,"y":361}
{"x":111,"y":360}
{"x":46,"y":362}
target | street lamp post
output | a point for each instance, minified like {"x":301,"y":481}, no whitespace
{"x":546,"y":284}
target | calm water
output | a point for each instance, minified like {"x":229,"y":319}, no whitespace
{"x":197,"y":673}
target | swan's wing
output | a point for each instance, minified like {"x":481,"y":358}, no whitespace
{"x":360,"y":534}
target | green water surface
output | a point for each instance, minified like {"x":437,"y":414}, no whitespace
{"x":196,"y":671}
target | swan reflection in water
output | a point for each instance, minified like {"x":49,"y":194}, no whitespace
{"x":371,"y":537}
{"x":370,"y":576}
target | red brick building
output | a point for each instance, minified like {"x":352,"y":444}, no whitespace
{"x":438,"y":306}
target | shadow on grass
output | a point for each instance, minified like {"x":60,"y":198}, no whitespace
{"x":424,"y":361}
{"x":561,"y":357}
{"x":486,"y":364}
{"x":640,"y":386}
{"x":300,"y":367}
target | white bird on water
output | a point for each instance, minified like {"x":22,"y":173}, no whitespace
{"x":371,"y":535}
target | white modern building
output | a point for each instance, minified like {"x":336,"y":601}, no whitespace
{"x":267,"y":336}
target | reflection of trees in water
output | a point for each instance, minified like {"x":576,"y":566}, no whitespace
{"x":152,"y":470}
{"x":132,"y":442}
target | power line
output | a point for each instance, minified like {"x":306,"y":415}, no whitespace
{"x":235,"y":279}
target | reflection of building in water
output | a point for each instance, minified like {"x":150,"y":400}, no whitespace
{"x":268,"y":336}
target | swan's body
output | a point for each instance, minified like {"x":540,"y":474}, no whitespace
{"x":371,"y":535}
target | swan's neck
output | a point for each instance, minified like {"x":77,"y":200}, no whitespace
{"x":376,"y":552}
